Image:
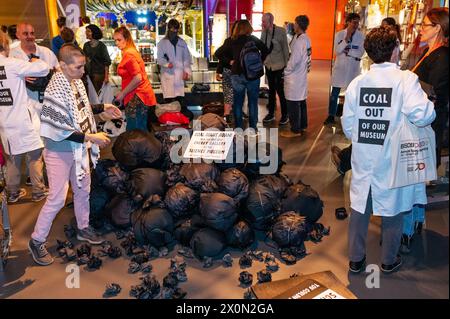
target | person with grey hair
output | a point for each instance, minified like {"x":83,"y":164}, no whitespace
{"x":275,"y":39}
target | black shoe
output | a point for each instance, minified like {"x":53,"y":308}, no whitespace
{"x":357,"y":266}
{"x":405,"y":246}
{"x":268,"y":118}
{"x":28,"y":182}
{"x":393,"y":267}
{"x":329,"y":120}
{"x":284,"y":120}
{"x":245,"y":115}
{"x":419,"y":227}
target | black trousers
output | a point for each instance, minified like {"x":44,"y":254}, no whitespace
{"x":298,"y":116}
{"x":276,"y":86}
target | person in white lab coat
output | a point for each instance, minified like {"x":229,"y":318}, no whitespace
{"x":175,"y":61}
{"x":19,"y":135}
{"x":375,"y":104}
{"x":348,"y":48}
{"x":296,"y":78}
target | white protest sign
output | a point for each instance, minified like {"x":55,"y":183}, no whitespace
{"x":213,"y":145}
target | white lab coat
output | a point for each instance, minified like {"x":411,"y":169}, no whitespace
{"x":18,"y":133}
{"x":371,"y":162}
{"x":346,"y":67}
{"x":298,"y":66}
{"x":172,"y":83}
{"x":48,"y":57}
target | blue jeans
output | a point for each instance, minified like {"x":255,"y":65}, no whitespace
{"x":332,"y":106}
{"x":240,"y":86}
{"x":136,"y":116}
{"x":417,"y":215}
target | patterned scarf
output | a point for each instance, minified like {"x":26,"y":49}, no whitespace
{"x":66,"y":110}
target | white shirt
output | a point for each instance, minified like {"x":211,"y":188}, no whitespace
{"x":18,"y":131}
{"x":298,"y":66}
{"x":48,"y":57}
{"x":375,"y":103}
{"x":172,"y":83}
{"x":347,"y":65}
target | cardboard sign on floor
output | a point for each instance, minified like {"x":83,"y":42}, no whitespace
{"x":321,"y":285}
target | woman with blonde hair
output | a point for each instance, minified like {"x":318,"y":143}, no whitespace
{"x":137,"y":94}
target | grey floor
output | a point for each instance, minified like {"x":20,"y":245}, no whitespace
{"x":425,"y":273}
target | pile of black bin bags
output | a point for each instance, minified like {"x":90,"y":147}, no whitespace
{"x":206,"y":207}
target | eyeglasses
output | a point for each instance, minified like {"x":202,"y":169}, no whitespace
{"x":423,"y":25}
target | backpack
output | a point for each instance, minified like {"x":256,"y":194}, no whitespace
{"x":251,"y":61}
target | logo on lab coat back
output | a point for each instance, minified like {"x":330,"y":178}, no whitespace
{"x":372,"y":129}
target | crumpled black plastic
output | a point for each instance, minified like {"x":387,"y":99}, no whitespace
{"x":241,"y":235}
{"x":111,"y":290}
{"x":170,"y":281}
{"x":257,"y":255}
{"x":98,"y":199}
{"x":237,"y":155}
{"x":264,"y":276}
{"x":254,"y":162}
{"x":151,"y":284}
{"x":178,"y":293}
{"x":289,"y":230}
{"x":94,"y":263}
{"x":304,"y":200}
{"x":234,"y":183}
{"x":84,"y":250}
{"x":207,"y":262}
{"x":200,"y":176}
{"x":141,"y":258}
{"x":83,"y":260}
{"x":181,"y":201}
{"x":153,"y":226}
{"x":114,"y":252}
{"x":317,"y":232}
{"x":110,"y":175}
{"x":227,"y":260}
{"x":218,"y":211}
{"x":207,"y":242}
{"x":146,"y":267}
{"x":272,"y":266}
{"x":69,"y":231}
{"x":63,"y":244}
{"x":145,"y":182}
{"x":134,"y":267}
{"x":166,"y":144}
{"x":245,"y":261}
{"x":129,"y":244}
{"x":173,"y":174}
{"x":248,"y":294}
{"x":245,"y":278}
{"x":136,"y":149}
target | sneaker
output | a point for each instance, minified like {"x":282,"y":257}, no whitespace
{"x":289,"y":134}
{"x":405,"y":246}
{"x":357,"y":266}
{"x":28,"y":182}
{"x":329,"y":120}
{"x":393,"y":267}
{"x":88,"y":234}
{"x":40,"y":253}
{"x":14,"y":197}
{"x":268,"y":118}
{"x":284,"y":120}
{"x":39,"y":197}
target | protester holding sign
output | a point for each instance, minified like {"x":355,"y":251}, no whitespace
{"x":376,"y":103}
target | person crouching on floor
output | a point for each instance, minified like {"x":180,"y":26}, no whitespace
{"x":70,"y":138}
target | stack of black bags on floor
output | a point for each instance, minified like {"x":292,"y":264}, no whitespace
{"x":204,"y":206}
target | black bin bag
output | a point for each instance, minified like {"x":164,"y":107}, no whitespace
{"x":264,"y":200}
{"x":137,"y":149}
{"x":120,"y":209}
{"x":234,"y":183}
{"x":237,"y":155}
{"x":98,"y":199}
{"x":200,"y":176}
{"x":181,"y":201}
{"x":270,"y":163}
{"x":241,"y":235}
{"x":184,"y":231}
{"x":109,"y":174}
{"x":218,"y":211}
{"x":152,"y":226}
{"x":289,"y":230}
{"x":145,"y":182}
{"x":208,"y":242}
{"x":304,"y":200}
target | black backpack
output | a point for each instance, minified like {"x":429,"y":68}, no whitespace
{"x":251,"y":61}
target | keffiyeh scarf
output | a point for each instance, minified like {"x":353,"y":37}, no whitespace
{"x":66,"y":110}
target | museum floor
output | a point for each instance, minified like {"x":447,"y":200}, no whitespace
{"x":424,"y":274}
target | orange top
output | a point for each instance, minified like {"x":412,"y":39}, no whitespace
{"x":131,"y":65}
